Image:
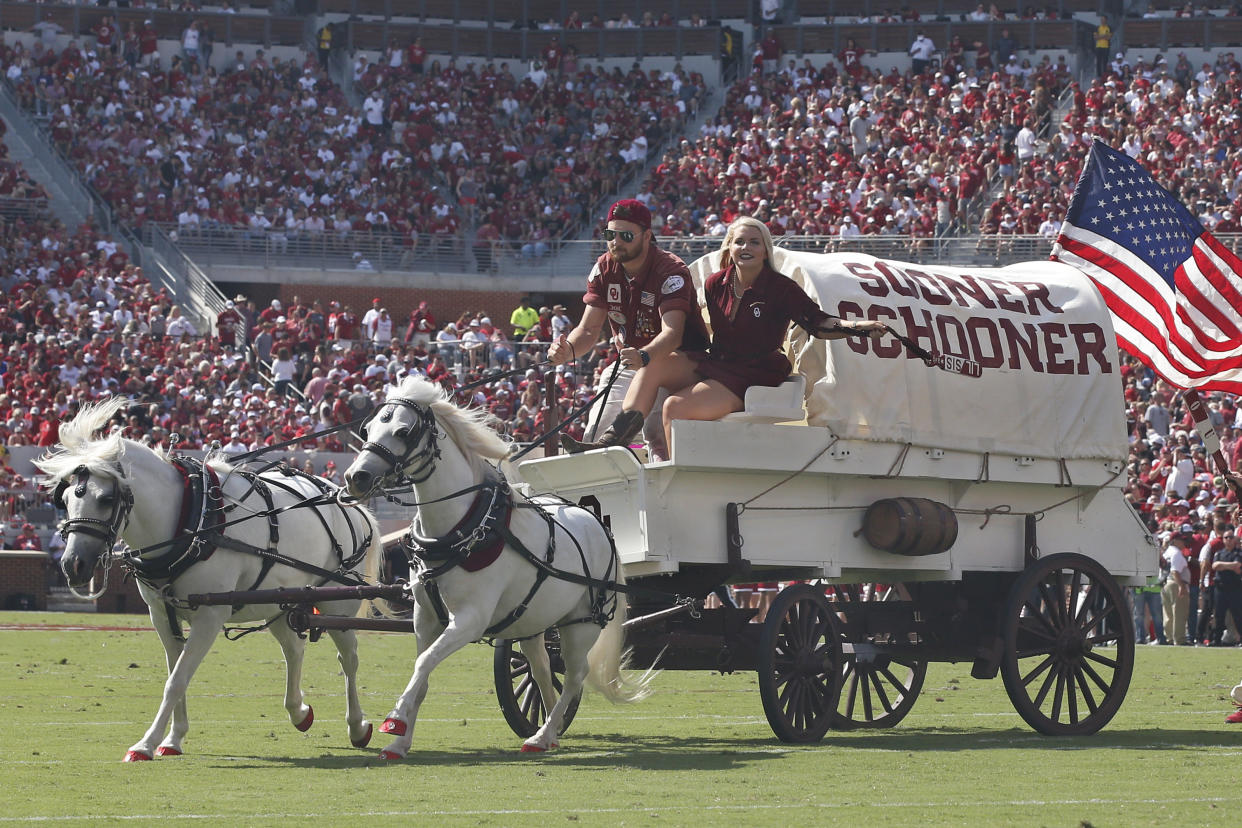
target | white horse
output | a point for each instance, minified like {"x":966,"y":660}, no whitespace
{"x":482,"y":558}
{"x":168,"y":511}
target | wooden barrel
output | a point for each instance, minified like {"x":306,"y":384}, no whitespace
{"x":910,"y":526}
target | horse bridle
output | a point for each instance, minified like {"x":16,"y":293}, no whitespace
{"x":106,"y":530}
{"x":415,"y":464}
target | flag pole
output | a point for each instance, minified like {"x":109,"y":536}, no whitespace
{"x":1211,"y":442}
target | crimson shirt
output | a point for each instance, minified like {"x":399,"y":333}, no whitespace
{"x":747,"y":348}
{"x":634,"y":305}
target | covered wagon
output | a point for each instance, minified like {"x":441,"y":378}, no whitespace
{"x":971,"y":509}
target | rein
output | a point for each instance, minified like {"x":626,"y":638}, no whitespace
{"x":315,"y":435}
{"x":573,"y":415}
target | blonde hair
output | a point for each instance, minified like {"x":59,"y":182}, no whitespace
{"x":739,"y":224}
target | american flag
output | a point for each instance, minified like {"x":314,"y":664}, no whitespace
{"x":1174,"y":291}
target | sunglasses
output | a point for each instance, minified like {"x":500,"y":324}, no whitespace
{"x":627,"y":236}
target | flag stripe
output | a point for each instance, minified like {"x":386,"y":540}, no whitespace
{"x":1146,"y":330}
{"x":1105,"y":270}
{"x":1206,"y":280}
{"x":1173,"y":290}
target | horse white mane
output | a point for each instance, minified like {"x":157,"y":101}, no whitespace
{"x":82,"y":444}
{"x":468,"y":428}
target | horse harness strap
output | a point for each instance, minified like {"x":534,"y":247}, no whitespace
{"x":200,"y":513}
{"x":200,"y":530}
{"x":474,"y":544}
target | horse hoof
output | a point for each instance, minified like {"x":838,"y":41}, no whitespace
{"x":137,"y":756}
{"x":306,"y":723}
{"x":527,"y":748}
{"x":365,"y":739}
{"x":390,"y":756}
{"x":164,"y":750}
{"x":394,"y":726}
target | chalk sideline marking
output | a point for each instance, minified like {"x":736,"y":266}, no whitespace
{"x":560,"y":812}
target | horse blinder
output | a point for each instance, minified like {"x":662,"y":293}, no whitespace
{"x":81,"y":475}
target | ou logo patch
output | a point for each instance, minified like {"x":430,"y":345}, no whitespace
{"x":755,"y":311}
{"x":614,"y":293}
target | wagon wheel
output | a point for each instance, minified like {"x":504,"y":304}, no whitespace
{"x":1060,"y":612}
{"x":877,"y":689}
{"x":516,"y":689}
{"x":800,"y":664}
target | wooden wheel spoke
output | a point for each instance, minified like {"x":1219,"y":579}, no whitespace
{"x":812,"y":625}
{"x":1075,"y":586}
{"x":852,"y":696}
{"x":1103,"y":639}
{"x":532,"y":704}
{"x":817,"y":692}
{"x":1102,"y":659}
{"x":1086,"y":612}
{"x":1038,"y":613}
{"x":1030,"y":629}
{"x":1052,"y":612}
{"x":879,"y":692}
{"x":1071,"y":693}
{"x":1085,"y":688}
{"x":868,"y":710}
{"x":1031,"y":652}
{"x":1057,"y":695}
{"x":1108,"y":612}
{"x":1063,"y":595}
{"x":1105,"y":687}
{"x":894,"y":682}
{"x":1048,"y":679}
{"x":791,"y":692}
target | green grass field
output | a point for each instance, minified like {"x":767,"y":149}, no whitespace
{"x":697,"y":752}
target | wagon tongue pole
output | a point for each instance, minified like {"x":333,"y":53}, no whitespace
{"x":1211,"y":442}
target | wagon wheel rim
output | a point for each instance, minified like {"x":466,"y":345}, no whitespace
{"x":800,"y":665}
{"x":1069,"y":646}
{"x":878,"y":689}
{"x":517,"y":692}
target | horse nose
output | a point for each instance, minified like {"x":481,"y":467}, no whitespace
{"x":73,"y":566}
{"x":360,"y":481}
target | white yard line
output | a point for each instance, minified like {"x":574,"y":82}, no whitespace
{"x":689,"y":808}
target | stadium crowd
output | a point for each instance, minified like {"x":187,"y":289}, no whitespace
{"x":78,"y":321}
{"x":847,"y":150}
{"x":273,"y":148}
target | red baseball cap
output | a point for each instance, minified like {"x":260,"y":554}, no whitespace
{"x":631,"y":210}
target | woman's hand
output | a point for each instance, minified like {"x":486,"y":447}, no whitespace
{"x":871,"y":327}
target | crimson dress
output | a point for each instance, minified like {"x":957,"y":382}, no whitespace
{"x":748,"y":333}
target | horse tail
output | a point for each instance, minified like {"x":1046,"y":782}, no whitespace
{"x":609,"y":659}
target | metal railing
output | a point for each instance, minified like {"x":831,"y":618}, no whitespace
{"x":570,"y":257}
{"x":184,"y":280}
{"x":47,"y":154}
{"x":376,"y":252}
{"x":229,"y":29}
{"x":23,"y":208}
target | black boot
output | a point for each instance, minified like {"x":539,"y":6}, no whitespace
{"x":623,"y":429}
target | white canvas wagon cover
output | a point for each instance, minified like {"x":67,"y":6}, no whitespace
{"x":1049,"y":385}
